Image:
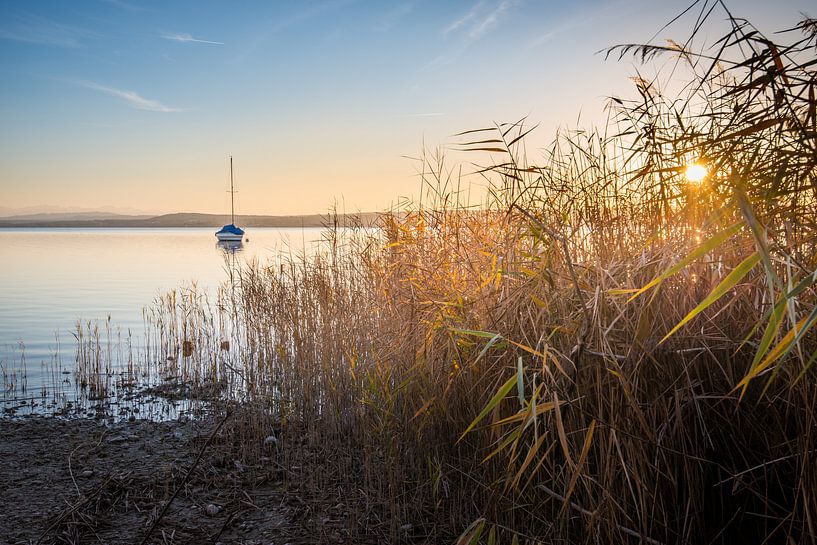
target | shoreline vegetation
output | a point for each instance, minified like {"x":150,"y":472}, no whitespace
{"x":607,"y":350}
{"x":188,"y":220}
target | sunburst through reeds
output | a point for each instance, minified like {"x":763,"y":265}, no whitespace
{"x":598,"y":353}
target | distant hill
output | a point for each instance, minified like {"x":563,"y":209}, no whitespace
{"x":70,"y":216}
{"x":67,"y":211}
{"x":182,"y":220}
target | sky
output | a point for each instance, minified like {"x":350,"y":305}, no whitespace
{"x":137,"y":106}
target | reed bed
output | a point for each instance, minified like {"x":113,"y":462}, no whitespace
{"x":602,"y":351}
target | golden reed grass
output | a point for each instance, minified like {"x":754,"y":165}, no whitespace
{"x":513,"y":373}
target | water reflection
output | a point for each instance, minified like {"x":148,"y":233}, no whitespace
{"x":100,"y":279}
{"x":229,"y":249}
{"x":230,"y":246}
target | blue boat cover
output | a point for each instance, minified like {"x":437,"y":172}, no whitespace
{"x":230,"y":228}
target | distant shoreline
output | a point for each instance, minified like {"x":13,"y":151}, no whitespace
{"x":197,"y":220}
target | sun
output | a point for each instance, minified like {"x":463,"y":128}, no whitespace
{"x":695,"y":172}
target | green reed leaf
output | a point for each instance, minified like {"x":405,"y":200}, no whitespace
{"x":500,"y":394}
{"x":706,"y":247}
{"x":737,"y":274}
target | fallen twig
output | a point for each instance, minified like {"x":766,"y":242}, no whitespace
{"x":185,"y":479}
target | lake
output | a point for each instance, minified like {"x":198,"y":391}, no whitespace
{"x":53,"y":278}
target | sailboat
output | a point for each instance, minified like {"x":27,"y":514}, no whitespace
{"x":231,"y":232}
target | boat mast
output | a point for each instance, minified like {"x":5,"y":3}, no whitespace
{"x":232,"y":193}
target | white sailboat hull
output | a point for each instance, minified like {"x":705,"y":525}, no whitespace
{"x":229,"y":237}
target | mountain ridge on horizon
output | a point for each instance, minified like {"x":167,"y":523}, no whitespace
{"x":44,"y":209}
{"x":178,"y":219}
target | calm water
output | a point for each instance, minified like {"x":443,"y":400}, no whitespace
{"x":54,"y":277}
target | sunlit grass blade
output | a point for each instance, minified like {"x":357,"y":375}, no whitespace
{"x":773,"y":323}
{"x":736,"y":275}
{"x":560,"y":430}
{"x":473,"y":332}
{"x":520,"y":382}
{"x":532,"y":452}
{"x":506,"y":442}
{"x":538,"y":409}
{"x":500,"y":394}
{"x":781,"y":348}
{"x":473,"y":533}
{"x":588,"y":440}
{"x":703,"y":249}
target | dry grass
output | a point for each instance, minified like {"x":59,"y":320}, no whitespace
{"x":522,"y":322}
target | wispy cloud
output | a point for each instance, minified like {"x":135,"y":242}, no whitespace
{"x":465,"y":19}
{"x":29,"y":28}
{"x":131,"y":98}
{"x":284,"y":21}
{"x":479,"y":19}
{"x":578,"y":21}
{"x":483,"y":24}
{"x":470,"y":27}
{"x":177,"y":37}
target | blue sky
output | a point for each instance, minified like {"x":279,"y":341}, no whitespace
{"x":138,"y":104}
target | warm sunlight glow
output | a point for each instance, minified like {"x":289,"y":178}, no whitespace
{"x":696,"y":172}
